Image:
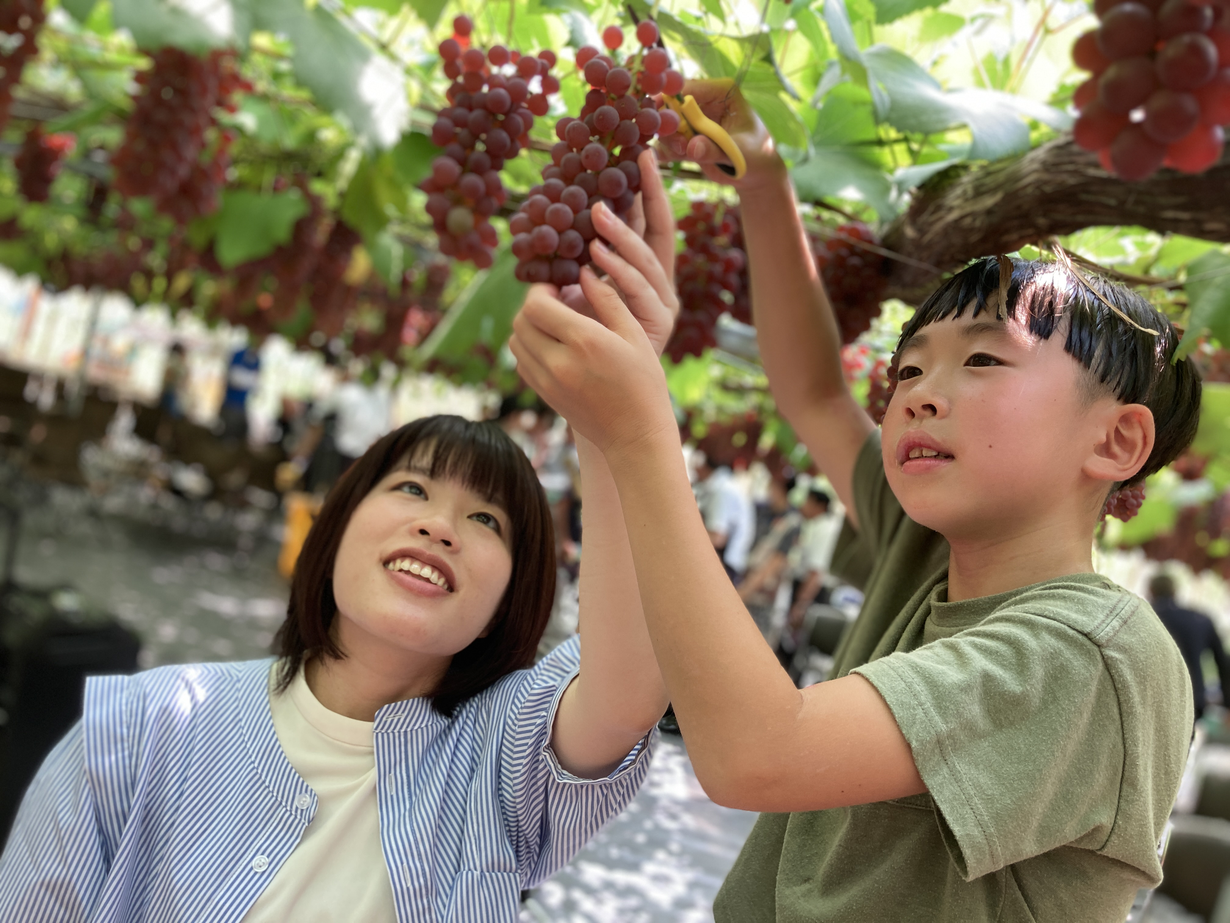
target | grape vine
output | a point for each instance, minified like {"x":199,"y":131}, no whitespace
{"x":39,"y":161}
{"x":20,"y":21}
{"x":1159,"y":94}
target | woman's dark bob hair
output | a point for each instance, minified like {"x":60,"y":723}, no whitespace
{"x":1125,"y":344}
{"x":485,"y":460}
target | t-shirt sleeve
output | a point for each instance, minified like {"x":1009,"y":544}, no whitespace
{"x":1015,"y":729}
{"x":54,"y":864}
{"x":878,"y":510}
{"x":551,"y":812}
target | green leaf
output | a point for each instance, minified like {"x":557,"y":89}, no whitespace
{"x":838,"y":20}
{"x":75,"y":119}
{"x":809,"y":28}
{"x":199,"y":28}
{"x":763,"y":90}
{"x":1213,"y":436}
{"x":939,"y":25}
{"x":374,"y":196}
{"x":252,"y":225}
{"x":890,"y":10}
{"x":481,"y":315}
{"x":388,"y":259}
{"x":917,"y":103}
{"x":412,"y":157}
{"x":429,"y":10}
{"x":714,"y":8}
{"x":1208,"y":294}
{"x":845,"y":118}
{"x":80,"y":9}
{"x":346,"y":77}
{"x":833,"y":172}
{"x":1178,"y":251}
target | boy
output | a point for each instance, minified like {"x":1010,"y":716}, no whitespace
{"x":1005,"y":730}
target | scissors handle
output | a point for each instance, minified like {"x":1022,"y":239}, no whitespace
{"x":692,"y":121}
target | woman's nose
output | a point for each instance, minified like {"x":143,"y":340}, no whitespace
{"x":436,"y":534}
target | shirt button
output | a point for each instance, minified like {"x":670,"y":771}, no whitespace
{"x":303,"y":801}
{"x":259,"y":864}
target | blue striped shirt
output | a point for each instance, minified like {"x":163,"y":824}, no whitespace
{"x":172,"y":801}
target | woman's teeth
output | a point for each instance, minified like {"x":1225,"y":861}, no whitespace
{"x":426,"y":571}
{"x":919,"y":452}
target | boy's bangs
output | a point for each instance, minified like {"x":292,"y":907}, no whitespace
{"x":1102,"y":321}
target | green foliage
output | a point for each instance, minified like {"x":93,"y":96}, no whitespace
{"x":1208,"y":293}
{"x":250,"y":225}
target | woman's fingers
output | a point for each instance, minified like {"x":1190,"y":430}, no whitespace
{"x":635,"y":250}
{"x":642,"y":297}
{"x":609,"y":308}
{"x":659,"y":219}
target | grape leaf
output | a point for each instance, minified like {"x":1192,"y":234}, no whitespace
{"x":388,"y":256}
{"x":412,"y":157}
{"x":197,"y":27}
{"x":845,"y":173}
{"x":80,"y":9}
{"x":809,"y":28}
{"x":1208,"y":293}
{"x":891,"y":10}
{"x":481,"y":315}
{"x":939,"y":25}
{"x":429,"y":10}
{"x":346,"y":77}
{"x":251,"y":225}
{"x":374,"y":195}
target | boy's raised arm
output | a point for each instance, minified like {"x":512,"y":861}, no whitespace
{"x":797,"y":332}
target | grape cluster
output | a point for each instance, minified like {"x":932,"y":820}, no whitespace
{"x":493,"y":101}
{"x":853,"y":277}
{"x":39,"y":161}
{"x":332,"y":297}
{"x":1125,"y":502}
{"x":595,"y":157}
{"x":20,"y":21}
{"x":710,"y":275}
{"x":1160,"y":90}
{"x":882,"y":382}
{"x":172,"y":151}
{"x":408,"y":317}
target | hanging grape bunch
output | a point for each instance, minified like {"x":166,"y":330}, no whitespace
{"x":493,"y":100}
{"x":172,"y":150}
{"x":595,"y":158}
{"x":1160,"y":90}
{"x":39,"y":161}
{"x":20,"y":21}
{"x":711,"y":276}
{"x":882,"y":382}
{"x":853,"y":277}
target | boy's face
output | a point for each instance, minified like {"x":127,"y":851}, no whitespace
{"x":987,"y":431}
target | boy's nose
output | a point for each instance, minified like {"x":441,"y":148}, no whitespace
{"x":923,"y":400}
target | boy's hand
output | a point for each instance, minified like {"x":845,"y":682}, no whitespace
{"x":601,"y":373}
{"x":722,"y":102}
{"x":634,"y":261}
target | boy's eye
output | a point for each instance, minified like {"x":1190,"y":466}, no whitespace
{"x":487,"y":520}
{"x":982,"y":360}
{"x":908,"y":371}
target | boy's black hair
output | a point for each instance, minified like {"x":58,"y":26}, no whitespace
{"x":816,"y":495}
{"x":1133,"y":365}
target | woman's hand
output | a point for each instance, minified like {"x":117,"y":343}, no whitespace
{"x":722,"y":102}
{"x":601,"y":373}
{"x":643,"y":250}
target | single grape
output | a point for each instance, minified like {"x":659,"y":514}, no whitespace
{"x":1086,"y":93}
{"x":472,"y":81}
{"x":1087,"y":55}
{"x":577,"y":135}
{"x":1135,"y":155}
{"x":536,"y":207}
{"x":460,"y":220}
{"x":570,"y":167}
{"x":538,"y":104}
{"x":565,"y":272}
{"x":559,"y":215}
{"x":651,"y":83}
{"x":438,"y":205}
{"x":499,"y":101}
{"x":1220,"y":36}
{"x":612,"y":37}
{"x":498,"y":142}
{"x":471,"y":186}
{"x":527,"y":118}
{"x":647,"y":32}
{"x":514,"y":126}
{"x":656,"y":61}
{"x":498,"y":55}
{"x":575,"y":198}
{"x":1187,"y":62}
{"x":550,"y":84}
{"x":1128,"y":30}
{"x":583,"y":224}
{"x":545,"y":239}
{"x":618,"y":81}
{"x":445,"y":170}
{"x":522,"y":246}
{"x":633,"y":173}
{"x":491,"y":179}
{"x":626,"y":134}
{"x":553,"y":173}
{"x":558,"y":150}
{"x":472,"y":60}
{"x":606,"y":119}
{"x":627,"y":107}
{"x":518,"y":90}
{"x":537,"y":271}
{"x":450,"y":49}
{"x":594,"y":157}
{"x":1170,"y":115}
{"x":648,"y":121}
{"x":612,"y":182}
{"x":585,"y":54}
{"x":1179,"y":16}
{"x":478,"y":162}
{"x":527,"y":68}
{"x":1198,"y":151}
{"x":442,"y":132}
{"x":670,"y":123}
{"x":1126,"y":84}
{"x":553,"y":189}
{"x":587,"y":182}
{"x":673,"y":83}
{"x":497,"y":81}
{"x":520,"y":224}
{"x":595,"y":73}
{"x":547,"y":57}
{"x":487,"y":206}
{"x":462,"y":26}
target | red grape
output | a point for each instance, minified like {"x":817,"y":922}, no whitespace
{"x":462,"y":26}
{"x":1179,"y":16}
{"x":1187,"y":62}
{"x":647,"y":32}
{"x":1198,"y":151}
{"x":612,"y":37}
{"x":1214,"y":99}
{"x":1085,"y":53}
{"x":1128,"y":30}
{"x":1170,"y":115}
{"x":1134,"y":154}
{"x":1126,"y":84}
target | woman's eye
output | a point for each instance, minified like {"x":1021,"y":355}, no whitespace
{"x":982,"y":360}
{"x":410,"y":487}
{"x":487,"y":520}
{"x":908,"y":371}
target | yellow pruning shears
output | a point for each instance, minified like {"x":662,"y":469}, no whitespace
{"x":694,"y":122}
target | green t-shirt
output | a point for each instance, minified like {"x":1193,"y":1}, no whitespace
{"x":1050,"y":724}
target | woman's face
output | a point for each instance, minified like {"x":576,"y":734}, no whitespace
{"x":421,"y":567}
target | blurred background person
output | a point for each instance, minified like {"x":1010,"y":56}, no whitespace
{"x":729,"y":515}
{"x":1195,"y":635}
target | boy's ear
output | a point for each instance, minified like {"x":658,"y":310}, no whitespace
{"x":1126,"y":439}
